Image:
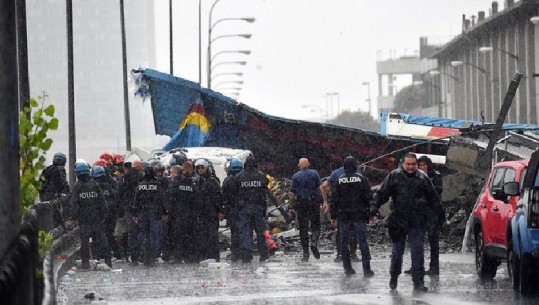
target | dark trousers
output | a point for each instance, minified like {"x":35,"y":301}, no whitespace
{"x":151,"y":228}
{"x":233,"y":222}
{"x":184,"y":245}
{"x":252,"y":214}
{"x":415,"y":240}
{"x":353,"y":241}
{"x":433,"y":237}
{"x":96,"y":231}
{"x":208,"y":238}
{"x":360,"y":228}
{"x":308,"y":213}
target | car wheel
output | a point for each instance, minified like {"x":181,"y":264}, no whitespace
{"x":526,"y":284}
{"x":485,"y":266}
{"x":513,"y":266}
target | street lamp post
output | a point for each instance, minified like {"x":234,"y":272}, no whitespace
{"x":210,"y":40}
{"x":238,"y":82}
{"x":226,"y":73}
{"x":246,"y":52}
{"x":224,"y":63}
{"x":368,"y":94}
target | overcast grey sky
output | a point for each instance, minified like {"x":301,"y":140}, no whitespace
{"x":302,"y":49}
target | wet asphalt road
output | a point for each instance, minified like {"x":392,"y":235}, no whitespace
{"x":286,"y":280}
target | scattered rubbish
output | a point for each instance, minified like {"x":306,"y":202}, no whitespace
{"x":206,"y":262}
{"x":260,"y":270}
{"x":100,"y":302}
{"x":74,"y":268}
{"x":205,"y":285}
{"x":78,"y":281}
{"x":70,"y":272}
{"x":220,"y":265}
{"x":220,"y":283}
{"x":66,"y":280}
{"x":90,"y":295}
{"x":105,"y":277}
{"x":102,"y":267}
{"x":278,"y":253}
{"x":465,"y":276}
{"x":132,"y":279}
{"x":117,"y":270}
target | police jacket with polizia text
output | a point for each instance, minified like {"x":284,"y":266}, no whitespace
{"x":87,"y":202}
{"x":54,"y":182}
{"x":209,"y":200}
{"x":110,"y":195}
{"x":252,"y":187}
{"x":230,"y":194}
{"x":128,"y":187}
{"x":412,"y":195}
{"x":182,"y":197}
{"x":149,"y":198}
{"x":351,"y":197}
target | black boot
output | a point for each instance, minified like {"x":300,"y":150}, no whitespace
{"x":393,"y":282}
{"x":316,"y":253}
{"x":420,"y":287}
{"x":305,"y":255}
{"x":367,"y":272}
{"x":347,"y":265}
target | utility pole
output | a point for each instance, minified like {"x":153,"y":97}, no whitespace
{"x":22,"y":47}
{"x":126,"y":94}
{"x":71,"y":93}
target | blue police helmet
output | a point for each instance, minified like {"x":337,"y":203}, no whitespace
{"x":146,"y":164}
{"x":59,"y":158}
{"x":97,"y":171}
{"x":82,"y":169}
{"x":236,"y":165}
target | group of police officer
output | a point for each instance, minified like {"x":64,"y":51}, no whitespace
{"x":177,"y":214}
{"x":144,"y":211}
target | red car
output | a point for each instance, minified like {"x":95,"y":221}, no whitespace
{"x":492,"y":214}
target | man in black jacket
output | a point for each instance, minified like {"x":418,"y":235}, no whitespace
{"x":183,"y":213}
{"x":147,"y":211}
{"x":252,"y":189}
{"x":210,"y":211}
{"x":89,"y":209}
{"x":412,"y":195}
{"x":230,"y":202}
{"x":351,"y":197}
{"x":54,"y":179}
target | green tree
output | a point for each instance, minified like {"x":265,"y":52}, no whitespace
{"x":356,"y":119}
{"x":35,"y":121}
{"x":411,"y":97}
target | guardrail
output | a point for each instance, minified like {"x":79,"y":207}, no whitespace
{"x":24,"y":277}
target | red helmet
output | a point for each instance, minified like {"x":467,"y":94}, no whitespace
{"x":117,"y":159}
{"x":101,"y":163}
{"x":106,"y":156}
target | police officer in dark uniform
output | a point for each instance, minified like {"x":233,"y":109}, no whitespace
{"x":230,"y":202}
{"x":148,"y":210}
{"x":210,"y":211}
{"x":434,"y":222}
{"x":55,"y":185}
{"x":412,"y":195}
{"x":252,"y":190}
{"x":110,"y":195}
{"x":183,"y":213}
{"x":89,"y":209}
{"x":306,"y":185}
{"x":351,"y":198}
{"x":126,"y":194}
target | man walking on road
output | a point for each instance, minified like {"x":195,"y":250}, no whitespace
{"x":304,"y":196}
{"x":351,"y":197}
{"x":413,"y":195}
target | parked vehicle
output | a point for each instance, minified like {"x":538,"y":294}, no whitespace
{"x":492,"y":214}
{"x":523,"y":236}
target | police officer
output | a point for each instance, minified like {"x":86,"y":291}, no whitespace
{"x":325,"y":189}
{"x":126,"y":193}
{"x":412,"y":194}
{"x":252,"y":190}
{"x":210,"y":211}
{"x":147,"y":211}
{"x":183,"y":213}
{"x":434,"y":222}
{"x":230,"y":202}
{"x":89,"y":209}
{"x":54,"y":179}
{"x":110,"y":195}
{"x":351,"y":197}
{"x":304,"y":196}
